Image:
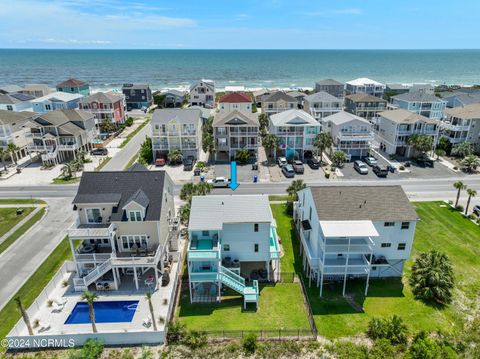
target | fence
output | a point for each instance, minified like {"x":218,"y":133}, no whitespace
{"x":311,"y":321}
{"x":275,"y":334}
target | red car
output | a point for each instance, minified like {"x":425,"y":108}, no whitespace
{"x":160,"y":161}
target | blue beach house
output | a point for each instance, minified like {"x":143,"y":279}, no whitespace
{"x":74,"y":86}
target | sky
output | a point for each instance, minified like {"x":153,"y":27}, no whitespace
{"x":240,"y":24}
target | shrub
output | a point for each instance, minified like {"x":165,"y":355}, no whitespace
{"x":249,"y":343}
{"x":92,"y":349}
{"x":49,"y":303}
{"x":392,"y":156}
{"x":327,"y":174}
{"x":195,"y":340}
{"x":455,"y":168}
{"x":129,"y":122}
{"x":423,"y":347}
{"x":472,"y":216}
{"x":401,"y":168}
{"x":450,"y":202}
{"x":347,"y":350}
{"x":242,"y":156}
{"x":289,"y":208}
{"x":201,"y":165}
{"x":392,"y":329}
{"x":381,"y":349}
{"x":176,"y":332}
{"x":459,"y":208}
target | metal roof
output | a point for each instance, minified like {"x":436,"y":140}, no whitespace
{"x":293,"y":118}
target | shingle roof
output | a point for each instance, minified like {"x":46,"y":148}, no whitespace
{"x":10,"y":88}
{"x":101,"y":97}
{"x":139,"y":197}
{"x":467,"y":112}
{"x":59,"y":117}
{"x":353,"y":203}
{"x":119,"y":187}
{"x":342,"y":117}
{"x":62,"y":96}
{"x":279,"y":95}
{"x":364,"y":97}
{"x":296,"y":94}
{"x":417,"y":96}
{"x":236,"y":118}
{"x":397,"y":87}
{"x":236,"y":97}
{"x":72,"y":83}
{"x":182,"y":115}
{"x":11,"y":117}
{"x":137,"y":167}
{"x":322,"y":96}
{"x":465,"y":98}
{"x":12,"y":98}
{"x":293,"y":118}
{"x":72,"y":128}
{"x":329,"y":82}
{"x":403,"y":116}
{"x":211,"y":212}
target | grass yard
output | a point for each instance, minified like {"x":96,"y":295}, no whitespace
{"x":275,"y":197}
{"x":131,"y":135}
{"x":9,"y":218}
{"x":229,"y":315}
{"x":9,"y":315}
{"x":21,"y":201}
{"x":103,"y":163}
{"x":61,"y":180}
{"x":440,"y":228}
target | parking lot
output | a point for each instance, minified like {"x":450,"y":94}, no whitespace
{"x":309,"y":174}
{"x":244,"y":172}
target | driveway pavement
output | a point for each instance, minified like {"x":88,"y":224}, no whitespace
{"x":244,"y":172}
{"x":24,"y":256}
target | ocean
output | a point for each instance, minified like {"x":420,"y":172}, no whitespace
{"x":109,"y":69}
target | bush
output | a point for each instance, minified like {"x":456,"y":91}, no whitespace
{"x":289,"y":208}
{"x":381,"y":349}
{"x":348,"y":350}
{"x":92,"y":349}
{"x":201,"y":165}
{"x":176,"y":332}
{"x":401,"y":168}
{"x":327,"y":174}
{"x":423,"y":347}
{"x":455,"y":168}
{"x":459,"y":208}
{"x":195,"y":340}
{"x":472,"y":216}
{"x":129,"y":122}
{"x":391,"y":329}
{"x":392,"y":156}
{"x":242,"y":156}
{"x":249,"y":343}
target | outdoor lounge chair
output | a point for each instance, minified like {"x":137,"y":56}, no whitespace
{"x":60,"y":301}
{"x":56,"y":307}
{"x":147,"y":322}
{"x":43,"y":326}
{"x":99,"y":286}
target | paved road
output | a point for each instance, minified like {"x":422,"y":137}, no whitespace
{"x":24,"y":256}
{"x":121,"y":159}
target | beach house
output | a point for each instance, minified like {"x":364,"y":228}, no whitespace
{"x":331,"y":87}
{"x":351,"y":232}
{"x":322,"y":104}
{"x":16,"y":102}
{"x":202,"y":93}
{"x":364,"y":85}
{"x":13,"y":130}
{"x":105,"y":106}
{"x":277,"y":102}
{"x":239,"y":101}
{"x":421,"y":103}
{"x":462,"y":124}
{"x":56,"y":101}
{"x":137,"y":96}
{"x":364,"y":105}
{"x":232,"y":243}
{"x":74,"y":86}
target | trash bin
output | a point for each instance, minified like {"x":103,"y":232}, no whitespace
{"x":255,"y":179}
{"x":255,"y":167}
{"x":196,"y":172}
{"x":202,"y":178}
{"x":19,"y":170}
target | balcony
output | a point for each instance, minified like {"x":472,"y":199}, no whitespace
{"x":163,"y":146}
{"x":273,"y":244}
{"x":452,"y":127}
{"x":355,"y":136}
{"x":91,"y":230}
{"x":243,"y":145}
{"x":357,"y":245}
{"x":68,"y":147}
{"x":204,"y":249}
{"x":40,"y":148}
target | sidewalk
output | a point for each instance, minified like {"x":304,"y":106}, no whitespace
{"x":22,"y":222}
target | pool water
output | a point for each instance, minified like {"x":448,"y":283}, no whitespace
{"x":105,"y":312}
{"x":204,"y":244}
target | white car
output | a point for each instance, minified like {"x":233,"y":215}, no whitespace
{"x":219,"y":182}
{"x":282,"y":161}
{"x":371,"y":161}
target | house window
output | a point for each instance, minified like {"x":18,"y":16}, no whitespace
{"x":255,"y":227}
{"x":226,"y":247}
{"x":255,"y":247}
{"x":389,"y":224}
{"x":138,"y":241}
{"x":135,"y":216}
{"x":386,"y":245}
{"x":310,"y":214}
{"x":94,"y":215}
{"x":9,"y":108}
{"x":401,"y":246}
{"x":205,"y":233}
{"x":405,"y":225}
{"x":48,"y":107}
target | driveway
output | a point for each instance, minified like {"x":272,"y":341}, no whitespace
{"x":24,"y":256}
{"x":244,"y":172}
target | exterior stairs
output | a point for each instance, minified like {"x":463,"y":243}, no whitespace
{"x":237,"y":283}
{"x":93,"y":275}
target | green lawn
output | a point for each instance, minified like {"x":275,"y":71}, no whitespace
{"x":21,"y":201}
{"x":131,"y":135}
{"x":440,"y":228}
{"x":20,"y":231}
{"x":9,"y":315}
{"x":61,"y":180}
{"x":279,"y":197}
{"x":131,"y":162}
{"x":103,"y":163}
{"x":229,"y":315}
{"x":9,"y":218}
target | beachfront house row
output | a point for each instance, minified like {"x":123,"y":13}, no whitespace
{"x":173,"y":98}
{"x":36,"y":90}
{"x":202,"y":93}
{"x":126,"y":227}
{"x":299,"y":96}
{"x":59,"y":135}
{"x":277,"y":102}
{"x":105,"y":106}
{"x":421,"y":103}
{"x":235,"y":101}
{"x":74,"y":86}
{"x":322,"y":104}
{"x":13,"y":130}
{"x":233,"y":131}
{"x":365,"y":85}
{"x":296,"y":130}
{"x":56,"y":101}
{"x":364,"y":105}
{"x":331,"y":87}
{"x":351,"y":134}
{"x":395,"y":127}
{"x":460,"y":99}
{"x":354,"y":232}
{"x":177,"y":129}
{"x":16,"y":101}
{"x":462,"y":124}
{"x":137,"y":96}
{"x":232,"y":243}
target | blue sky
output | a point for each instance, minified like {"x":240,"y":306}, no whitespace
{"x":240,"y":24}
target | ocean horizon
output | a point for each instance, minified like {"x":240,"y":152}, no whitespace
{"x":109,"y":69}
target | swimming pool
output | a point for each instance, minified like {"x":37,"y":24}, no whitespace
{"x":105,"y":312}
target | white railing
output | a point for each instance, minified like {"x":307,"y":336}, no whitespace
{"x":37,"y":148}
{"x":71,"y":147}
{"x":75,"y":232}
{"x":232,"y":275}
{"x":94,"y":257}
{"x":97,"y":272}
{"x":451,"y":127}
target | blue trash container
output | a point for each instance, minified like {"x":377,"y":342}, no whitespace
{"x":255,"y":179}
{"x":202,"y":178}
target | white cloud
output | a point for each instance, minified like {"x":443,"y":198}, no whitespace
{"x":345,"y":11}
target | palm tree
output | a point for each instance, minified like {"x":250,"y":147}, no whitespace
{"x":270,"y":142}
{"x":24,"y":313}
{"x":432,"y":277}
{"x":67,"y":171}
{"x":12,"y":149}
{"x":471,"y":193}
{"x":463,"y":149}
{"x":107,"y":125}
{"x":459,"y":185}
{"x":148,"y":296}
{"x":3,"y":156}
{"x":203,"y":188}
{"x":188,"y":191}
{"x":322,"y":142}
{"x":421,"y":143}
{"x":185,"y":214}
{"x":294,"y":187}
{"x":175,"y":155}
{"x":470,"y":163}
{"x":263,"y":119}
{"x":339,"y":158}
{"x":90,"y":297}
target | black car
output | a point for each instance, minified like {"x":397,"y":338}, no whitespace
{"x":313,"y":163}
{"x":188,"y":163}
{"x":424,"y":161}
{"x":379,"y":171}
{"x":476,"y":210}
{"x":99,"y":152}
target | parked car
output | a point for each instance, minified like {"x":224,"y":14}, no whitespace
{"x":219,"y":182}
{"x":161,"y":161}
{"x":288,"y":171}
{"x":298,"y":167}
{"x":282,"y":161}
{"x":188,"y":163}
{"x":371,"y":161}
{"x":101,"y":151}
{"x":476,"y":210}
{"x":360,"y":167}
{"x":313,"y":163}
{"x":425,"y":161}
{"x":379,"y":171}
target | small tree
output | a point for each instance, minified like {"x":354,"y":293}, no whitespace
{"x":67,"y":171}
{"x":12,"y":149}
{"x":463,"y":149}
{"x":242,"y":156}
{"x":175,"y":155}
{"x":263,"y":119}
{"x":208,"y":144}
{"x":24,"y":314}
{"x":145,"y":156}
{"x":90,"y":298}
{"x":184,"y":214}
{"x":295,"y":186}
{"x":470,"y":163}
{"x":271,"y":143}
{"x":432,"y":277}
{"x":339,"y":158}
{"x":148,"y":296}
{"x":423,"y":347}
{"x":471,"y":193}
{"x":322,"y":142}
{"x":187,"y":191}
{"x":459,"y":186}
{"x":203,"y":188}
{"x":440,"y":153}
{"x":444,"y":144}
{"x":392,"y":329}
{"x":3,"y":157}
{"x":107,"y":125}
{"x":421,"y":143}
{"x":249,"y":343}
